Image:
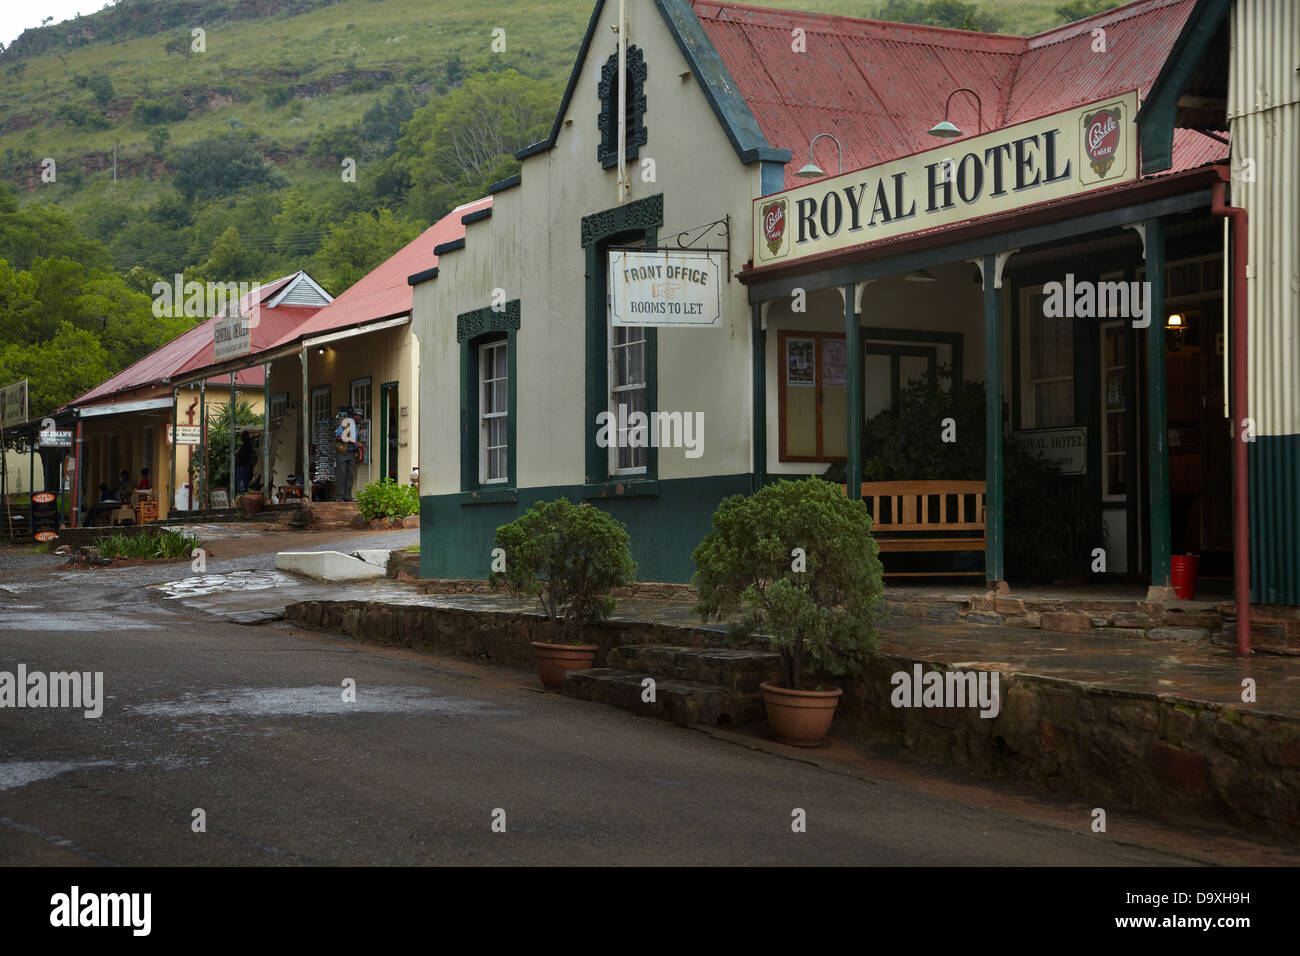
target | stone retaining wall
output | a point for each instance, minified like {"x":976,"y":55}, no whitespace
{"x":1175,"y":758}
{"x":1171,"y":757}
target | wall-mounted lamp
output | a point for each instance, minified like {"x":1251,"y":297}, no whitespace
{"x":1175,"y":329}
{"x":945,"y":129}
{"x":812,"y":170}
{"x":321,"y":351}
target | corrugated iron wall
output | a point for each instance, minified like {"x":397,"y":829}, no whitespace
{"x":1264,"y":120}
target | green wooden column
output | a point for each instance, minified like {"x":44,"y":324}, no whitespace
{"x":230,"y":493}
{"x":758,"y":403}
{"x":165,"y":507}
{"x":266,"y":430}
{"x":203,"y":444}
{"x":853,"y":379}
{"x":1157,"y":405}
{"x":993,"y":509}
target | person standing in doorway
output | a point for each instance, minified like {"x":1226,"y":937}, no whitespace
{"x":245,"y":456}
{"x":345,"y":454}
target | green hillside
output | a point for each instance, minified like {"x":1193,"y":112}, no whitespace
{"x":230,"y":160}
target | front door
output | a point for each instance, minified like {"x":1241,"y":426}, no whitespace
{"x":388,"y":430}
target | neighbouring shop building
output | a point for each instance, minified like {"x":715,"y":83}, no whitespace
{"x":127,"y":422}
{"x":1068,"y":245}
{"x":357,"y":352}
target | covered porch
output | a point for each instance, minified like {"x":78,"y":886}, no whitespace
{"x":1126,"y":399}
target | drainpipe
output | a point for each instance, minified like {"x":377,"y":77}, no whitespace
{"x":1237,"y":219}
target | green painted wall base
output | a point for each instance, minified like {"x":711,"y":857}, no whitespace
{"x":456,"y":540}
{"x":1274,"y":464}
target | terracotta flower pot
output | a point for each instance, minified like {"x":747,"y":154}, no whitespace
{"x":252,"y":502}
{"x":800,"y":718}
{"x":552,"y":660}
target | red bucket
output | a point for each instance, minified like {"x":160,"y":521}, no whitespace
{"x":1182,"y":569}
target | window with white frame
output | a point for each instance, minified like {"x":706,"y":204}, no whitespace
{"x":493,"y":413}
{"x":627,"y":387}
{"x":280,"y":405}
{"x":1047,"y":366}
{"x":361,"y":396}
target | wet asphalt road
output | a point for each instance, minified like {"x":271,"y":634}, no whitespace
{"x":249,"y":725}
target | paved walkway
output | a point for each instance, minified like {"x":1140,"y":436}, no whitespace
{"x":1197,"y":671}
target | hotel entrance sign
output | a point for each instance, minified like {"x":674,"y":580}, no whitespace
{"x":1039,"y":161}
{"x":670,"y":287}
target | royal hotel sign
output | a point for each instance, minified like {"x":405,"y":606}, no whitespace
{"x":1061,"y":155}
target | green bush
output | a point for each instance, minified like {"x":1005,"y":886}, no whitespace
{"x":569,"y":557}
{"x":168,"y":109}
{"x":148,"y":544}
{"x":821,"y":605}
{"x":277,"y":95}
{"x":387,"y":499}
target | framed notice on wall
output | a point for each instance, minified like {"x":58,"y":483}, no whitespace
{"x":834,"y":363}
{"x":799,"y":368}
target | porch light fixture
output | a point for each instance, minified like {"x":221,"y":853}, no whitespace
{"x":1175,"y":329}
{"x":945,"y":129}
{"x":919,"y":275}
{"x":812,"y":170}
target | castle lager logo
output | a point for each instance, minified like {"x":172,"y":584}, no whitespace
{"x":1101,"y":139}
{"x":773,"y":214}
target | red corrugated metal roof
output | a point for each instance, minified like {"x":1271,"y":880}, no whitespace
{"x":271,"y":326}
{"x":187,"y":350}
{"x":878,"y":87}
{"x":384,"y":292}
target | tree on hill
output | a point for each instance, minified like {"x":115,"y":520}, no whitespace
{"x":219,"y":166}
{"x":452,"y":147}
{"x":1078,"y":9}
{"x":228,"y":261}
{"x":939,"y":13}
{"x":41,"y":230}
{"x":358,"y":244}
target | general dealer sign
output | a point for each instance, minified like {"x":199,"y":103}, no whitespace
{"x":1039,"y":161}
{"x":671,"y":287}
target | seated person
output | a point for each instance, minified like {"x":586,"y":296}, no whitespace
{"x":106,"y":504}
{"x":124,"y":487}
{"x":144,"y":484}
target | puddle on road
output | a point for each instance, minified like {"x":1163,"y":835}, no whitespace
{"x":216,"y":583}
{"x":19,"y":773}
{"x":314,"y":701}
{"x":64,"y":619}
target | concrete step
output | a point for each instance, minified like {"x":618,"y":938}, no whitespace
{"x":739,"y":671}
{"x":681,"y":701}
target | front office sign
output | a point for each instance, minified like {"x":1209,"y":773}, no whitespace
{"x":1039,"y":161}
{"x":670,"y":287}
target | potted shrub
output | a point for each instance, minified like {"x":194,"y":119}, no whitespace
{"x":569,"y":557}
{"x":816,"y":604}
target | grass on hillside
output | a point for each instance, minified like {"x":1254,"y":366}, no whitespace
{"x":412,"y":39}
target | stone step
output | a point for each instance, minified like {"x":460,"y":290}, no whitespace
{"x":739,"y":671}
{"x":681,"y":701}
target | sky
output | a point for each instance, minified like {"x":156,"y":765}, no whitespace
{"x":16,"y":16}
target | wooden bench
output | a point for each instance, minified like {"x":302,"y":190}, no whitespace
{"x":926,"y":516}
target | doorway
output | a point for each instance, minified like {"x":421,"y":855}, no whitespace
{"x":388,"y":430}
